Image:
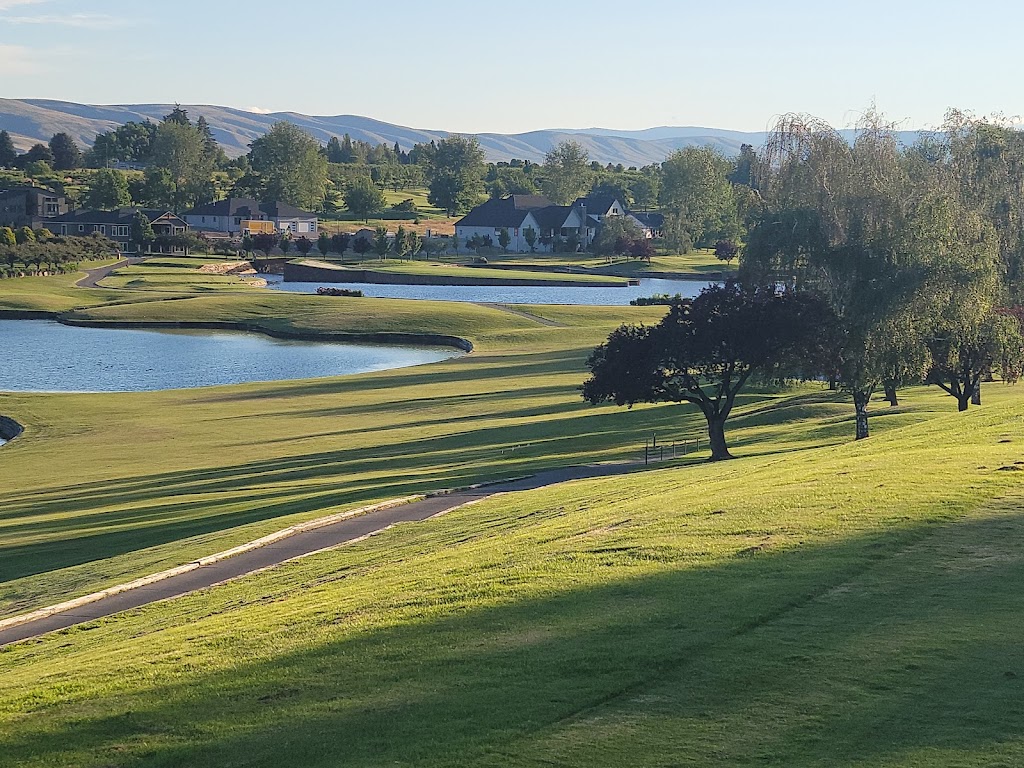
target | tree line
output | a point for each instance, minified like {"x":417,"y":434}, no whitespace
{"x":870,"y":265}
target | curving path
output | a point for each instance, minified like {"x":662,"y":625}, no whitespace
{"x":515,"y":310}
{"x":299,"y":544}
{"x":93,"y":276}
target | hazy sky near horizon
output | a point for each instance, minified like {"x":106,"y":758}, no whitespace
{"x":510,"y":67}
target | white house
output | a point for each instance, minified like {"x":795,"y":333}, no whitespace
{"x":517,"y":214}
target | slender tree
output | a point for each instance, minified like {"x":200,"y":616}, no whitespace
{"x":66,"y":154}
{"x":8,"y":154}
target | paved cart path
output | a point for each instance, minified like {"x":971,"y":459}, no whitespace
{"x":93,"y":276}
{"x":297,"y":545}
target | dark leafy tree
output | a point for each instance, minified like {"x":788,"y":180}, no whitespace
{"x":8,"y":154}
{"x":266,"y":242}
{"x":108,"y":190}
{"x":36,"y":153}
{"x":380,"y":241}
{"x":726,"y":250}
{"x":340,"y":242}
{"x":530,"y":236}
{"x":304,"y":245}
{"x":142,"y":232}
{"x":504,"y":238}
{"x":456,"y":174}
{"x":706,"y":350}
{"x":363,"y":198}
{"x":323,"y":243}
{"x":66,"y":154}
{"x":178,"y":115}
{"x":362,"y":246}
{"x":285,"y":244}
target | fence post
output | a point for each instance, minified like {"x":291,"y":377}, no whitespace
{"x":645,"y":453}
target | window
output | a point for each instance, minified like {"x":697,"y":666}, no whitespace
{"x":81,"y":227}
{"x":101,"y":228}
{"x":312,"y":227}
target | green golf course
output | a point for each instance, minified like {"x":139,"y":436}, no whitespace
{"x":815,"y":601}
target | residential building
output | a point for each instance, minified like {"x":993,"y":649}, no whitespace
{"x":518,"y":213}
{"x":25,"y":206}
{"x":237,"y":216}
{"x":117,"y":225}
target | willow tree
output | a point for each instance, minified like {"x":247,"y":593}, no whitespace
{"x":837,"y":219}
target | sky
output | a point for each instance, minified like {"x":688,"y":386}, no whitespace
{"x":512,"y":67}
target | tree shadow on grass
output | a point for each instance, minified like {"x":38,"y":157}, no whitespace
{"x":889,"y":645}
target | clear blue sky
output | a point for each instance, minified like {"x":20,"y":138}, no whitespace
{"x":477,"y":66}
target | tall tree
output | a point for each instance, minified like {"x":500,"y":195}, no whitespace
{"x":142,"y":232}
{"x":66,"y":154}
{"x":567,"y":173}
{"x":292,"y":165}
{"x":363,"y":198}
{"x":180,"y":149}
{"x":178,"y":116}
{"x":108,"y":190}
{"x":8,"y":154}
{"x":695,"y":187}
{"x":706,"y":350}
{"x":456,"y":174}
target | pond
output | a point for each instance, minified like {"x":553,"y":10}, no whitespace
{"x":507,"y":294}
{"x":44,"y":356}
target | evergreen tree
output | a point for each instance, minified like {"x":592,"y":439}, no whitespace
{"x":8,"y":154}
{"x":178,"y":115}
{"x":334,"y":151}
{"x":66,"y":154}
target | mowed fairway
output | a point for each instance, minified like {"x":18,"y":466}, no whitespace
{"x":815,"y":602}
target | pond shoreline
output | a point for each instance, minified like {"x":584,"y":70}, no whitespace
{"x":306,"y":272}
{"x":378,"y":337}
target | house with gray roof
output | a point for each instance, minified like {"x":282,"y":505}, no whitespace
{"x":236,"y":216}
{"x":117,"y":225}
{"x":518,"y":213}
{"x":28,"y":206}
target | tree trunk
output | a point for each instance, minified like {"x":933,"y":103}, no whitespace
{"x":716,"y":433}
{"x":976,"y":396}
{"x":962,"y":401}
{"x":890,"y":393}
{"x":860,"y":404}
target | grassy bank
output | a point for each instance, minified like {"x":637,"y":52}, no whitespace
{"x":801,"y":606}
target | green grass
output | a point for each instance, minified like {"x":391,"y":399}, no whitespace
{"x":855,"y":604}
{"x":444,"y":269}
{"x":815,"y":602}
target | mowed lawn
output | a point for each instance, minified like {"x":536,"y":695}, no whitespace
{"x":815,"y":602}
{"x":851,"y":604}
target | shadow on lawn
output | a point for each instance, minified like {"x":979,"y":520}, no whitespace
{"x":265,"y":489}
{"x":883,"y":647}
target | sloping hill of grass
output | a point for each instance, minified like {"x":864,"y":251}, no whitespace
{"x":853,"y":604}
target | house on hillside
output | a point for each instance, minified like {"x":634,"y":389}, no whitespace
{"x":117,"y":225}
{"x":237,"y":216}
{"x":517,"y":213}
{"x":26,"y":206}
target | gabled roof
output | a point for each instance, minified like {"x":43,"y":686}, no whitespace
{"x":552,"y":217}
{"x":599,"y":205}
{"x":504,"y":213}
{"x":239,"y":207}
{"x":285,"y":211}
{"x":649,"y":220}
{"x":118,"y":216}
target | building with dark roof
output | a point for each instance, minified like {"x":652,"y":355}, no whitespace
{"x":516,"y":214}
{"x":27,"y":206}
{"x":117,"y":225}
{"x":242,"y":215}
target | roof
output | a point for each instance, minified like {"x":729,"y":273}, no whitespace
{"x":500,"y":213}
{"x":285,"y":211}
{"x":119,"y":216}
{"x":598,"y":205}
{"x":650,"y":220}
{"x":240,"y":207}
{"x":553,"y":217}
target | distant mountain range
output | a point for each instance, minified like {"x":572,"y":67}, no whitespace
{"x":35,"y":120}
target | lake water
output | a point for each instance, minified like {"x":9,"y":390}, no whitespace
{"x":44,"y":356}
{"x":507,"y":294}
